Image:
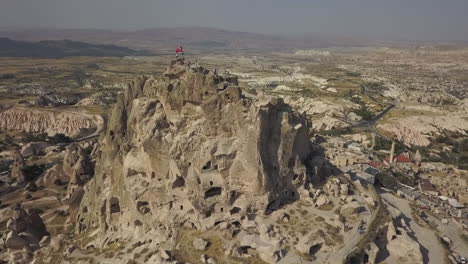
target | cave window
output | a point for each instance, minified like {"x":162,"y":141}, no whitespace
{"x":181,"y":207}
{"x":213,"y":192}
{"x":114,"y":205}
{"x":142,"y":207}
{"x":85,"y":209}
{"x":292,"y":194}
{"x":111,"y":133}
{"x":222,"y":209}
{"x":211,"y":183}
{"x":170,"y":87}
{"x":208,"y":213}
{"x":179,"y":182}
{"x":153,"y":175}
{"x":314,"y":249}
{"x":103,"y":209}
{"x":207,"y":166}
{"x":235,"y":210}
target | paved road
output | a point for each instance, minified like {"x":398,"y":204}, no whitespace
{"x":431,"y":248}
{"x":459,"y":246}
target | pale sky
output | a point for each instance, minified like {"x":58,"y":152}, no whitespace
{"x":377,"y":19}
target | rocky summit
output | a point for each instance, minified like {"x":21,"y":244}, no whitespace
{"x":189,"y":149}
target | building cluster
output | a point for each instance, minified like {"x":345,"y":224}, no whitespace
{"x":357,"y":160}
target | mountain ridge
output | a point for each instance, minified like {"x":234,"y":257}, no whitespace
{"x":61,"y":48}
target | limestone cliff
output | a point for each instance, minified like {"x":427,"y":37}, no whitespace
{"x":188,"y":148}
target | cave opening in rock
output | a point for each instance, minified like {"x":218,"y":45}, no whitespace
{"x":114,"y":205}
{"x":142,"y":207}
{"x":214,"y":191}
{"x":179,"y":182}
{"x":235,"y":210}
{"x":314,"y":249}
{"x":207,"y":166}
{"x":103,"y":209}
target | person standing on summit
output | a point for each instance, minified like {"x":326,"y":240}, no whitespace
{"x":178,"y":51}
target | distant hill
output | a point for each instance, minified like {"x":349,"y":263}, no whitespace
{"x":194,"y":39}
{"x":61,"y":48}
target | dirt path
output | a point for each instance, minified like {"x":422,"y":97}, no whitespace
{"x":431,"y":249}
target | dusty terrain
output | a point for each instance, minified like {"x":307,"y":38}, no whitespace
{"x":220,"y":158}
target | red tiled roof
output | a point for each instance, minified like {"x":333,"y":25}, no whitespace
{"x":375,"y":164}
{"x":399,"y":159}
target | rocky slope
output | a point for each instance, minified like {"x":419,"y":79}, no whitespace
{"x":48,"y":121}
{"x":419,"y":130}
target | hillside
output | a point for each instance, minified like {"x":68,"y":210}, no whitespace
{"x":60,"y":48}
{"x":199,"y":39}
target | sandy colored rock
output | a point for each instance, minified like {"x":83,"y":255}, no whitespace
{"x":200,"y":244}
{"x":47,"y":121}
{"x":17,"y":168}
{"x":190,"y":152}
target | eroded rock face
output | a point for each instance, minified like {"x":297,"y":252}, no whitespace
{"x":48,"y":121}
{"x":26,"y":229}
{"x":402,"y":246}
{"x":189,"y":148}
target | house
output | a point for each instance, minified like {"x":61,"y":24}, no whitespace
{"x":355,"y":147}
{"x":401,"y":161}
{"x":455,"y":203}
{"x":341,"y":161}
{"x":407,"y":193}
{"x":434,"y":166}
{"x":376,"y":164}
{"x":425,"y":203}
{"x":426,"y":186}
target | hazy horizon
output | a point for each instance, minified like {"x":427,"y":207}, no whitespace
{"x":418,"y":20}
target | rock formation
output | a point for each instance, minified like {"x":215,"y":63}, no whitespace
{"x":48,"y":121}
{"x":17,"y":168}
{"x":189,"y":149}
{"x":26,"y":230}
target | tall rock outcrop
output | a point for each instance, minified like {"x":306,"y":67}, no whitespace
{"x":17,"y":167}
{"x":188,"y":148}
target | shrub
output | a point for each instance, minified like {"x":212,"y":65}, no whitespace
{"x":59,"y":138}
{"x":34,"y":171}
{"x":34,"y":137}
{"x":383,"y":144}
{"x":364,"y":112}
